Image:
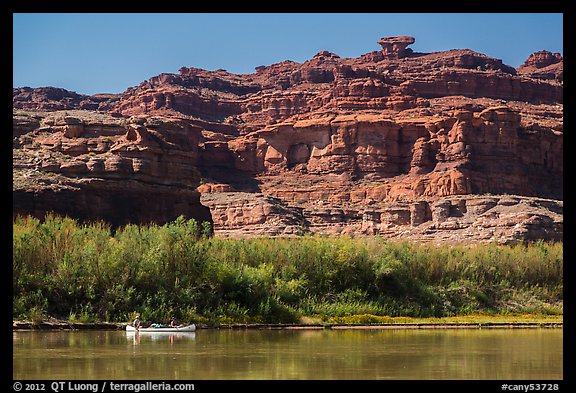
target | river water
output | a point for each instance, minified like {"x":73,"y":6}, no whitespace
{"x":424,"y":354}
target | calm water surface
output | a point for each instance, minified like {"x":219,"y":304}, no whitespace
{"x":291,"y":354}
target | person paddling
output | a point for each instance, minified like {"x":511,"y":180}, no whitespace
{"x":136,"y":322}
{"x":173,"y":323}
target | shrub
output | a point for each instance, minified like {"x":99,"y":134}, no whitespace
{"x":85,"y":271}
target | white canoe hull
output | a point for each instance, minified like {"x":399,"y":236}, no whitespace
{"x":189,"y":328}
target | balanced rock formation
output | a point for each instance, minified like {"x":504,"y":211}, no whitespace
{"x":450,"y":145}
{"x":395,"y":47}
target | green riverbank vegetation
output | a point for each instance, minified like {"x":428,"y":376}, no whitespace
{"x":88,"y":273}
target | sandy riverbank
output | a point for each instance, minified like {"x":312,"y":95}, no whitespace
{"x":24,"y":325}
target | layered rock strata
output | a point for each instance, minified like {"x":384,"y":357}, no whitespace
{"x":384,"y":143}
{"x":456,"y":219}
{"x":543,"y":65}
{"x":93,"y":166}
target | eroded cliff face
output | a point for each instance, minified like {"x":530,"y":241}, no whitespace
{"x":93,"y":166}
{"x":376,"y":144}
{"x":453,"y":219}
{"x":406,"y":158}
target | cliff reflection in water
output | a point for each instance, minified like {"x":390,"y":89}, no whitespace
{"x":303,"y":354}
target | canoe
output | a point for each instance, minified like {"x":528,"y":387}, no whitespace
{"x":189,"y":328}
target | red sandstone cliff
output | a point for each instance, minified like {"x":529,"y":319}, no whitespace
{"x":93,"y":166}
{"x":543,"y":65}
{"x":331,"y":145}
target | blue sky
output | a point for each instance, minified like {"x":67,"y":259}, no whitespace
{"x":108,"y":53}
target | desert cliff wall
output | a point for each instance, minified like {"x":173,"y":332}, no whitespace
{"x":446,"y":145}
